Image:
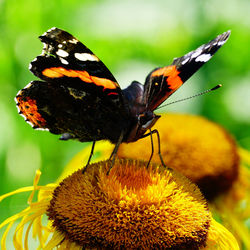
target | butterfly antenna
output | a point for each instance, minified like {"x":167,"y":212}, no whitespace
{"x":190,"y":97}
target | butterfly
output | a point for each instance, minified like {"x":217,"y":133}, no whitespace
{"x":79,"y":98}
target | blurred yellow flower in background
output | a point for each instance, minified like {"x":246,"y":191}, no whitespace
{"x":133,"y":207}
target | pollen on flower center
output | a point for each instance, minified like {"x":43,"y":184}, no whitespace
{"x":130,"y":179}
{"x":133,"y":207}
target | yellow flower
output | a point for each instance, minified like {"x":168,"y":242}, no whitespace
{"x":205,"y":153}
{"x":32,"y":215}
{"x":233,"y":207}
{"x":133,"y":207}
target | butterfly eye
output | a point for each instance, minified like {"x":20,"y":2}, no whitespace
{"x":145,"y":117}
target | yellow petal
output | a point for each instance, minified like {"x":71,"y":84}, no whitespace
{"x":219,"y":238}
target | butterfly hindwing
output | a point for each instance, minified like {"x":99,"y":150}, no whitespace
{"x":67,"y":110}
{"x":163,"y":82}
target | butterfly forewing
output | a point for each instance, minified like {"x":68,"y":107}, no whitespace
{"x":66,"y":51}
{"x":163,"y":82}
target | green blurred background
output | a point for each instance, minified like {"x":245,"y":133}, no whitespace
{"x":131,"y":38}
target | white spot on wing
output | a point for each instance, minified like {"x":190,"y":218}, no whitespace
{"x":17,"y":103}
{"x":196,"y":53}
{"x":63,"y":61}
{"x":18,"y":93}
{"x":203,"y":58}
{"x":220,"y":43}
{"x":86,"y":57}
{"x":30,"y":123}
{"x":45,"y":33}
{"x":75,"y":41}
{"x":24,"y":117}
{"x":53,"y":28}
{"x":62,"y":53}
{"x":43,"y":129}
{"x":30,"y":65}
{"x":185,"y":61}
{"x":27,"y":86}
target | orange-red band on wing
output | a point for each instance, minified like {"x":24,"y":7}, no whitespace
{"x":28,"y":108}
{"x":57,"y":72}
{"x":172,"y":74}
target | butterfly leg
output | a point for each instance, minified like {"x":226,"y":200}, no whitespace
{"x":159,"y":147}
{"x":152,"y":147}
{"x":90,"y":156}
{"x":155,"y":131}
{"x":113,"y":154}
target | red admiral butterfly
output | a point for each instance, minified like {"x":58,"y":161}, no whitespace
{"x":80,"y":99}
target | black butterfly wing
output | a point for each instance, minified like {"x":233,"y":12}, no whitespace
{"x":163,"y":82}
{"x":78,"y":96}
{"x":66,"y":57}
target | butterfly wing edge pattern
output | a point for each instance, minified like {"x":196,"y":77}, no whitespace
{"x":163,"y":82}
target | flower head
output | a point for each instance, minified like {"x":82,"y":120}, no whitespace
{"x":205,"y":153}
{"x":132,"y":207}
